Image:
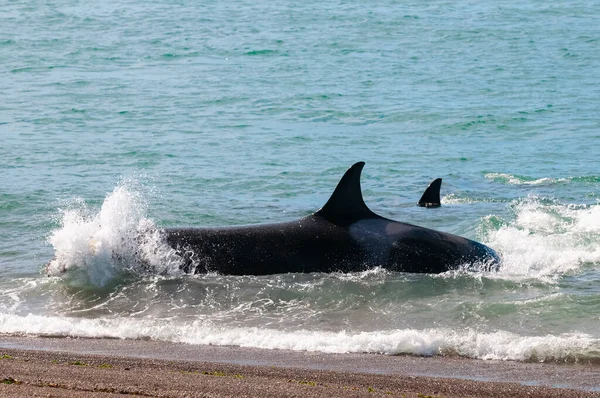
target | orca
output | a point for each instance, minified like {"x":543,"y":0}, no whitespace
{"x":431,"y":196}
{"x":343,"y":236}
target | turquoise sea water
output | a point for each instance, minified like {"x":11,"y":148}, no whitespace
{"x":120,"y":116}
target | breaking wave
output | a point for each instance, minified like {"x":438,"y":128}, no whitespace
{"x":544,"y":238}
{"x":499,"y":345}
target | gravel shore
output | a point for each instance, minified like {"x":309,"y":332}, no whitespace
{"x":93,"y":367}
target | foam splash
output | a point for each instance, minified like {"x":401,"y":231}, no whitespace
{"x":92,"y":248}
{"x":546,"y":238}
{"x":498,"y":345}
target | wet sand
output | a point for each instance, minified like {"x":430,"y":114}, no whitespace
{"x":64,"y":367}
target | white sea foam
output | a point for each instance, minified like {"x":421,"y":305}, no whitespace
{"x":452,"y":199}
{"x":588,"y":219}
{"x":499,"y":345}
{"x":547,"y":239}
{"x":92,"y":247}
{"x":517,"y":180}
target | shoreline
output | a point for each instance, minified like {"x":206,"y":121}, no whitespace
{"x":104,"y":367}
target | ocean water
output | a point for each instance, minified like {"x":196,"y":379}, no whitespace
{"x":120,"y":118}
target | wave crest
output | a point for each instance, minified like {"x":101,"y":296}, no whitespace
{"x":512,"y":179}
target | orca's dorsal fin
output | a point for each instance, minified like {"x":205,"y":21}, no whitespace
{"x":346,"y":204}
{"x":431,"y":196}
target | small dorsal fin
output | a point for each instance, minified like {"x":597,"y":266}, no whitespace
{"x":346,"y":204}
{"x":431,"y":196}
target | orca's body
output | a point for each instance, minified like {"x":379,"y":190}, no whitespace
{"x":344,"y":235}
